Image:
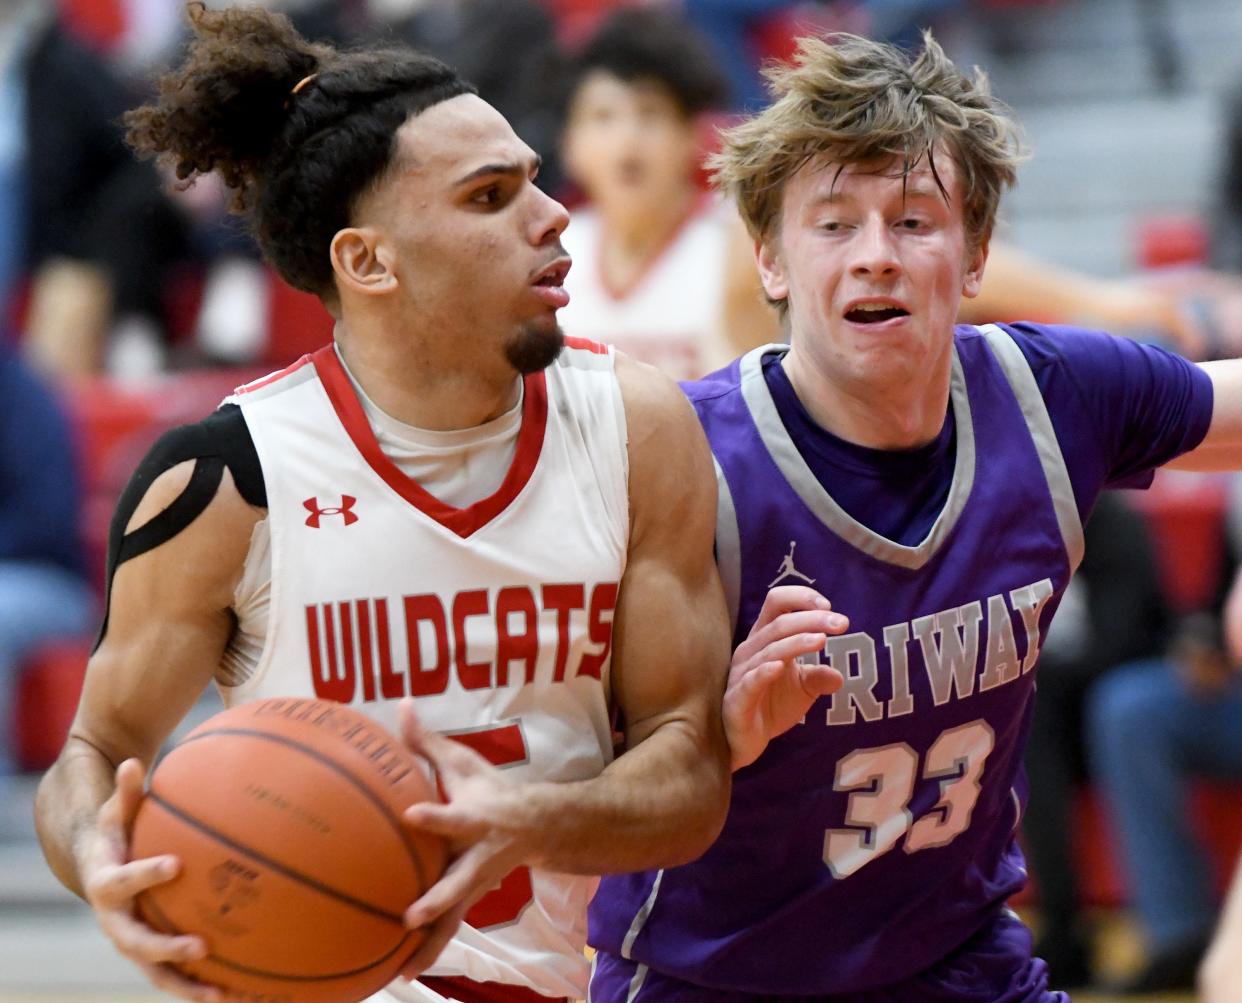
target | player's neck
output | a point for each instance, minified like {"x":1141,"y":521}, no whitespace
{"x":633,"y":238}
{"x":892,"y":418}
{"x":433,"y":391}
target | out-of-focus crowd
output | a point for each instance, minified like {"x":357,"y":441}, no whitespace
{"x":110,"y":273}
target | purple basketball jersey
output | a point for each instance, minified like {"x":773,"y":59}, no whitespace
{"x":875,"y":838}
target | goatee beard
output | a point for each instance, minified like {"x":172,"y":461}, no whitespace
{"x":534,"y":348}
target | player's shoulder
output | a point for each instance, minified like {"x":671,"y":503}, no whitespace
{"x":720,"y":390}
{"x":585,"y":353}
{"x":1086,"y":356}
{"x":222,"y":435}
{"x":1042,"y":343}
{"x":275,"y":383}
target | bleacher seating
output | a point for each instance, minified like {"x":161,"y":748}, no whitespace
{"x":116,"y":425}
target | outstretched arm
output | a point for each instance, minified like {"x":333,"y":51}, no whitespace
{"x":1019,"y":286}
{"x":1221,"y":448}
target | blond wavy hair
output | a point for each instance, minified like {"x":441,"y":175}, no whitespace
{"x":859,"y":101}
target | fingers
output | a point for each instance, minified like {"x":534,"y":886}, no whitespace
{"x":117,"y":813}
{"x":112,"y":885}
{"x":819,"y":680}
{"x":465,"y":879}
{"x":789,"y":599}
{"x":130,"y":776}
{"x":438,"y":935}
{"x":789,"y":648}
{"x":112,"y":890}
{"x":443,"y":820}
{"x":743,"y":698}
{"x":761,"y":640}
{"x":176,"y":984}
{"x":443,"y":753}
{"x":146,"y":946}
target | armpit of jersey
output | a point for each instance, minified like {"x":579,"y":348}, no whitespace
{"x":218,"y":441}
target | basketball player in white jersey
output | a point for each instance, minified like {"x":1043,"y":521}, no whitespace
{"x":664,"y":269}
{"x":448,"y":504}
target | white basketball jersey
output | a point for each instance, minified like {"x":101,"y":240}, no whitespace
{"x":496,"y":618}
{"x":671,"y":317}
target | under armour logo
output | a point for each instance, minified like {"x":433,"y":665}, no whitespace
{"x":345,"y":510}
{"x":787,"y":569}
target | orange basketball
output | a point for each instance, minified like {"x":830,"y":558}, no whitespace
{"x":296,"y":867}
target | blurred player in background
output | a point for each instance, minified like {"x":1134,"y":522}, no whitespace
{"x":1155,"y":728}
{"x":516,"y":530}
{"x":933,"y":482}
{"x":664,"y":269}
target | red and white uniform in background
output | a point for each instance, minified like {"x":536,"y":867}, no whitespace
{"x":671,"y":316}
{"x":495,"y":613}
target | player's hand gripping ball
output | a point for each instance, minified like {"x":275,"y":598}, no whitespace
{"x":296,"y":868}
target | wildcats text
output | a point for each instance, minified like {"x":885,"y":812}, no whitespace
{"x":484,"y":638}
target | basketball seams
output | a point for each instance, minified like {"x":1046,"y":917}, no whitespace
{"x":165,"y":925}
{"x":395,"y":823}
{"x":275,"y":865}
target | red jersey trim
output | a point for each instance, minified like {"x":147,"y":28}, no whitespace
{"x":462,"y":521}
{"x":586,"y":345}
{"x":485,"y":992}
{"x":264,"y":381}
{"x":702,"y":201}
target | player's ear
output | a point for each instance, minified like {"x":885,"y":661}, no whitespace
{"x":975,"y":262}
{"x":363,"y":261}
{"x":771,"y":264}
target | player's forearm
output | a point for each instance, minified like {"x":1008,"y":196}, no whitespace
{"x":659,"y":805}
{"x":67,"y":802}
{"x":1221,"y":976}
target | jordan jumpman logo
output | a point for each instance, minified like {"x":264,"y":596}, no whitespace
{"x":788,"y":570}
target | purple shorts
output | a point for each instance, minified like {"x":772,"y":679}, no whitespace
{"x":993,"y":966}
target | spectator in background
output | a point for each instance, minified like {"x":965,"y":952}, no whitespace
{"x":662,"y":269}
{"x":79,"y":211}
{"x":1113,"y":612}
{"x":507,"y":48}
{"x":734,"y":29}
{"x":1153,"y":728}
{"x":1227,"y":242}
{"x":43,"y":590}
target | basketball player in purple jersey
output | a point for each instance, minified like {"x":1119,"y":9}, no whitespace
{"x":933,"y":482}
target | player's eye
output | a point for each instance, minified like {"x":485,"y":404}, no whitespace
{"x":492,"y":195}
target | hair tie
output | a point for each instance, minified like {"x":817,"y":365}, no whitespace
{"x":297,"y":87}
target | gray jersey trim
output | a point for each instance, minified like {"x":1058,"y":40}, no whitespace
{"x":1018,"y":371}
{"x":640,"y":917}
{"x":591,"y":976}
{"x":728,"y":546}
{"x":795,"y":470}
{"x":636,"y":983}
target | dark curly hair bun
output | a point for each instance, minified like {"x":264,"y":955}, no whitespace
{"x":295,"y":162}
